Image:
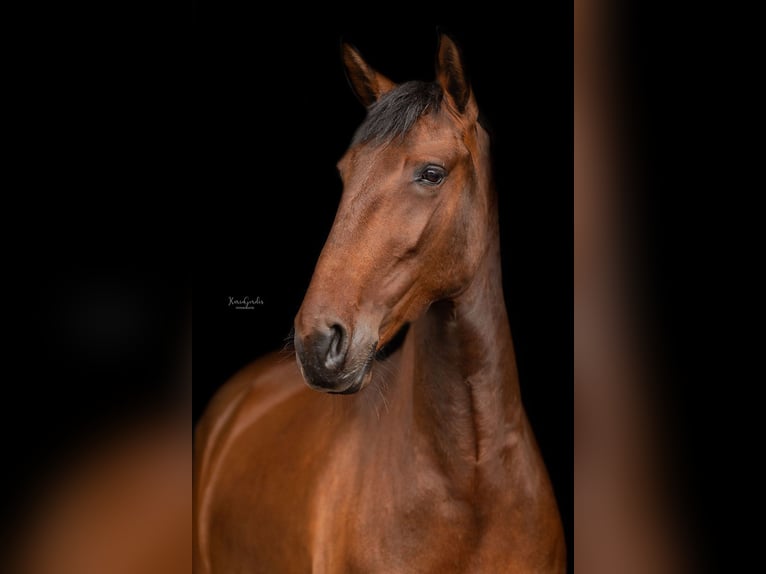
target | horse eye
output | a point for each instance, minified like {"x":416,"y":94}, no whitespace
{"x":432,"y":175}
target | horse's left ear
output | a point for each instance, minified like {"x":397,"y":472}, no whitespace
{"x":451,"y":76}
{"x":368,"y":84}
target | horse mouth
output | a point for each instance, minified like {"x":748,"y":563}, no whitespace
{"x":362,"y":378}
{"x":376,"y":355}
{"x":356,"y":386}
{"x":358,"y":374}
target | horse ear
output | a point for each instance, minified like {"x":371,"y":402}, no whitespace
{"x":368,"y":85}
{"x":451,"y":75}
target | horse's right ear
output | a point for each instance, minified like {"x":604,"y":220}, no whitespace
{"x":368,"y":85}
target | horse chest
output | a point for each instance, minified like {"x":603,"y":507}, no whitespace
{"x":422,"y":540}
{"x":389,"y":526}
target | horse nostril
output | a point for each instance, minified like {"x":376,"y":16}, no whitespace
{"x":336,"y":348}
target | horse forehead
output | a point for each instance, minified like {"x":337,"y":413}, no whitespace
{"x":435,"y":130}
{"x":432,"y":135}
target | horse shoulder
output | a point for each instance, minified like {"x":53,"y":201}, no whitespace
{"x":271,"y":376}
{"x":258,"y":386}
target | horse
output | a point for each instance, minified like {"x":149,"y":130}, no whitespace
{"x":416,"y":454}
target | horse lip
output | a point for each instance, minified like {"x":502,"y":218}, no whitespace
{"x":360,"y":381}
{"x":325,"y":382}
{"x":356,"y":385}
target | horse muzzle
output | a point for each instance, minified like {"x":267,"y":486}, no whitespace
{"x":333,"y":361}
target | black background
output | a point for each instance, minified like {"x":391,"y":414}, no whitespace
{"x":138,"y":136}
{"x":276,"y":114}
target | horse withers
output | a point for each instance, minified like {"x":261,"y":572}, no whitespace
{"x":417,"y":456}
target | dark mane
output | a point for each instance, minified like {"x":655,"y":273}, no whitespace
{"x":394,"y":114}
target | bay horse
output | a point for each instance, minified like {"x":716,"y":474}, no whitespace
{"x":417,"y":455}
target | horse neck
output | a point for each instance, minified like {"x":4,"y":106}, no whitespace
{"x":465,"y":391}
